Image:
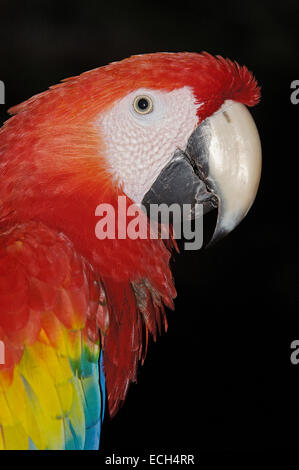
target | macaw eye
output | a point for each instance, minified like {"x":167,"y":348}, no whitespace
{"x":143,"y":104}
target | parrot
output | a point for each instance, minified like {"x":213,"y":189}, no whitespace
{"x":77,"y":311}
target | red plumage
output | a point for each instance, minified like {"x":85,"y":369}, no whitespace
{"x":53,"y":173}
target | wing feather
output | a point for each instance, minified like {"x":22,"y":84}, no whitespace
{"x":50,"y":396}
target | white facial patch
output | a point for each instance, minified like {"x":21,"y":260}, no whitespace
{"x":138,"y":146}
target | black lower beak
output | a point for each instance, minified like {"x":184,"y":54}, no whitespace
{"x":182,"y":182}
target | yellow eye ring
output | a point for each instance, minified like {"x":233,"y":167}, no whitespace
{"x":143,"y":104}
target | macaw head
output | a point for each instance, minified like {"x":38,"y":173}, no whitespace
{"x":180,"y":133}
{"x":164,"y":127}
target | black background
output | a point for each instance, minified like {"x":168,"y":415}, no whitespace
{"x":221,"y":378}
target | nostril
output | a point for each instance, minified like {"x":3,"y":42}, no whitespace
{"x":226,"y":116}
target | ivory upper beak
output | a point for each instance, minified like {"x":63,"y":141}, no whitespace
{"x":235,"y":162}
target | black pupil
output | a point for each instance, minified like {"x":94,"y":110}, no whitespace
{"x":143,"y":104}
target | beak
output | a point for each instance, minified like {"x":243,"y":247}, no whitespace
{"x":220,"y":167}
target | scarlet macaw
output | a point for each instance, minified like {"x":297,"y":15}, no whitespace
{"x":76,"y":311}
